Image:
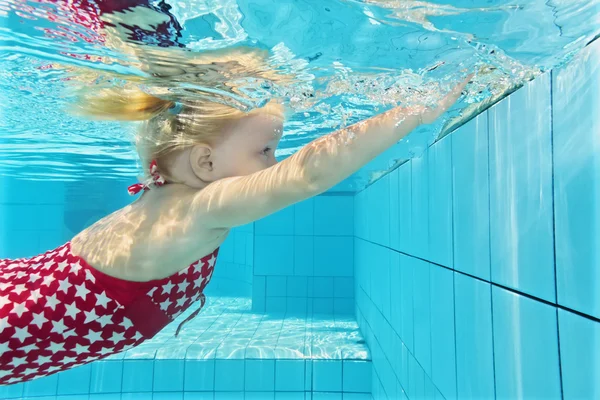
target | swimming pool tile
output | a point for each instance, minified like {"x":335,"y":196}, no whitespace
{"x":361,"y":214}
{"x":12,"y":391}
{"x":440,"y":201}
{"x":395,"y":299}
{"x":379,"y":276}
{"x":422,"y":314}
{"x":260,"y":375}
{"x":106,"y":376}
{"x":304,"y":255}
{"x":174,"y":351}
{"x":405,"y":235}
{"x":239,"y":255}
{"x":327,"y":375}
{"x":229,"y":395}
{"x":577,"y":180}
{"x":303,"y":217}
{"x":289,"y":375}
{"x":443,"y":357}
{"x":44,"y":386}
{"x":279,"y":223}
{"x":357,"y":376}
{"x":343,"y":307}
{"x":388,"y":379}
{"x":138,"y":375}
{"x":168,"y":375}
{"x":276,"y":286}
{"x":75,"y":381}
{"x":420,"y":207}
{"x":379,"y":211}
{"x":259,"y":304}
{"x":417,"y":380}
{"x":400,"y":392}
{"x":322,"y":306}
{"x":259,"y":286}
{"x":334,"y":215}
{"x":326,"y":396}
{"x":474,"y":348}
{"x":430,"y":389}
{"x":297,"y":305}
{"x":71,"y":397}
{"x":145,"y":351}
{"x":525,"y":347}
{"x":198,"y":395}
{"x":229,"y":375}
{"x":356,"y":396}
{"x":343,"y":287}
{"x":276,"y":304}
{"x":259,"y":396}
{"x":334,"y":256}
{"x":403,"y":363}
{"x":406,"y":295}
{"x":105,"y":396}
{"x":273,"y":255}
{"x":137,"y":396}
{"x":394,"y":210}
{"x":289,"y":396}
{"x":580,"y":356}
{"x":521,"y":215}
{"x":199,"y":375}
{"x":323,"y":286}
{"x":297,"y":286}
{"x":308,"y":376}
{"x":471,"y":198}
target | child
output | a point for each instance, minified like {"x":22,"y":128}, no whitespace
{"x":210,"y":167}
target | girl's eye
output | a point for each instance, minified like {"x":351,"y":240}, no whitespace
{"x":266,"y":150}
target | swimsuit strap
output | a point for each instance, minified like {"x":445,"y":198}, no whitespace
{"x":155,"y":180}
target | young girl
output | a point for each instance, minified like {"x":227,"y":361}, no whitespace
{"x":210,"y":167}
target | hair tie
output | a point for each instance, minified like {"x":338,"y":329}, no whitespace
{"x":176,"y":108}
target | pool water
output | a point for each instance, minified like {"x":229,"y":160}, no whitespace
{"x":461,"y":263}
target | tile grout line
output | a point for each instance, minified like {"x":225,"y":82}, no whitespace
{"x":515,"y":291}
{"x":490,"y":252}
{"x":562,"y":395}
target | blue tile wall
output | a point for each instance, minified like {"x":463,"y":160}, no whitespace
{"x":525,"y":347}
{"x":106,"y":377}
{"x":474,"y":340}
{"x":168,"y":375}
{"x":577,"y":181}
{"x":521,"y":227}
{"x":405,"y":215}
{"x":470,"y":191}
{"x":443,"y":356}
{"x":440,"y":202}
{"x":420,"y":206}
{"x":486,"y":285}
{"x":580,"y":356}
{"x":308,"y":264}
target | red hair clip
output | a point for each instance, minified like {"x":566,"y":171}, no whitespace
{"x":156,"y":180}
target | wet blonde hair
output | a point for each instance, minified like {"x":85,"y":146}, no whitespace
{"x":166,"y":125}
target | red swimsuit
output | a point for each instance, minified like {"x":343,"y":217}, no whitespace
{"x":57,"y":312}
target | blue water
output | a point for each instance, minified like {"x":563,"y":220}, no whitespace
{"x":459,"y":268}
{"x":351,"y":59}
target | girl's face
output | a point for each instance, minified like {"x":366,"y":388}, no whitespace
{"x":249,"y":146}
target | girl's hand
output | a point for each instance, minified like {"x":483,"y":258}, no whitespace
{"x":429,"y":115}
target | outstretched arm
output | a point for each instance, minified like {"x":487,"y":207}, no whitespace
{"x":314,"y":169}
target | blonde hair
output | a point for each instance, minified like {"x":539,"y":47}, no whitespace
{"x":172,"y":122}
{"x":166,"y":125}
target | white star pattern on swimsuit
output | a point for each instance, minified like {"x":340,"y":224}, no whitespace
{"x":55,"y":312}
